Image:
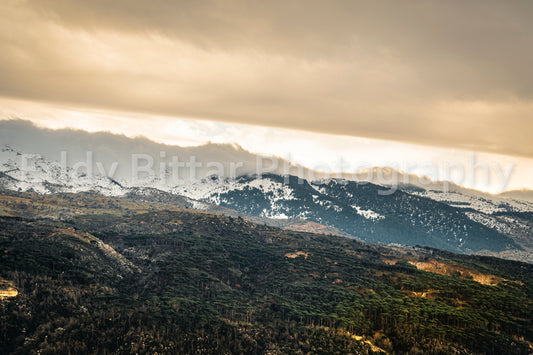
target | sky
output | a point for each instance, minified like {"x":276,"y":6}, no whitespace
{"x":391,"y":81}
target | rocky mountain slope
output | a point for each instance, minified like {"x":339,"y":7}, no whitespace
{"x":408,"y":216}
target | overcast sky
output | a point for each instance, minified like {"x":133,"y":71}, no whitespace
{"x":453,"y":74}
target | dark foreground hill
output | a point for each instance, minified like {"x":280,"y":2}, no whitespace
{"x":83,"y":273}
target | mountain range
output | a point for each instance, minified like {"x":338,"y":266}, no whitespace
{"x":458,"y":220}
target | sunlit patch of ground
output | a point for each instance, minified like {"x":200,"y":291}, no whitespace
{"x":456,"y":270}
{"x":297,"y":254}
{"x":7,"y":289}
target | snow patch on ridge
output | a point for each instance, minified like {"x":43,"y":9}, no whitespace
{"x":368,"y":214}
{"x":211,"y":188}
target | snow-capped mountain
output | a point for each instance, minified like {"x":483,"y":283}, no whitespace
{"x":32,"y":172}
{"x":357,"y":209}
{"x":461,"y":220}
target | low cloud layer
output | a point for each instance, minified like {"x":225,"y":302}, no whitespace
{"x":445,"y":73}
{"x":306,"y":154}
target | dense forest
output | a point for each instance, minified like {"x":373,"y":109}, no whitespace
{"x":83,"y":273}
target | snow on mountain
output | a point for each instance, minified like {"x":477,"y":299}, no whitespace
{"x":138,"y":161}
{"x":481,"y":202}
{"x":448,"y":192}
{"x":368,"y":214}
{"x":32,"y":172}
{"x":215,"y":190}
{"x":461,"y":220}
{"x":502,"y":225}
{"x":211,"y":188}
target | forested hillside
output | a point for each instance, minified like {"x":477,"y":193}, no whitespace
{"x":83,"y":273}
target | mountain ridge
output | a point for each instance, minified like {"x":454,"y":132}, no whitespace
{"x":460,"y":220}
{"x":110,"y":148}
